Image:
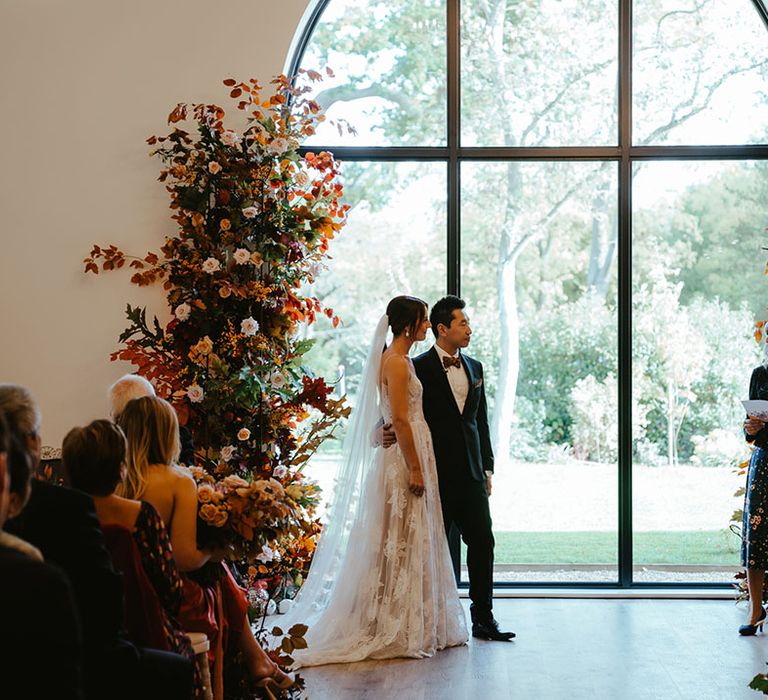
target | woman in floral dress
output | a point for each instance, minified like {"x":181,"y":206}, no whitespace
{"x":754,"y":531}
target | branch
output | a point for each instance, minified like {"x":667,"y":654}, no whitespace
{"x":675,"y":120}
{"x":560,"y":95}
{"x":349,"y":92}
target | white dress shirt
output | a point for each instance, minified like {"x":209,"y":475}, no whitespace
{"x":457,"y":378}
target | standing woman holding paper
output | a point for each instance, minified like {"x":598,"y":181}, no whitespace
{"x":754,"y":529}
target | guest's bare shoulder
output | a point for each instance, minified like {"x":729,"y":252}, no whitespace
{"x":182,"y":480}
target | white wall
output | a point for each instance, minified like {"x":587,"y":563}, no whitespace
{"x":84,"y":83}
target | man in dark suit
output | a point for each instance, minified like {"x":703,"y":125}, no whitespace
{"x":456,"y":412}
{"x":40,"y":645}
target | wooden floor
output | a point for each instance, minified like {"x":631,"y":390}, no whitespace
{"x":597,"y":649}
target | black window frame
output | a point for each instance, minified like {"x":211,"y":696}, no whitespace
{"x":625,"y":154}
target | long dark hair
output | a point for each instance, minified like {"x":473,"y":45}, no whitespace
{"x":405,"y":313}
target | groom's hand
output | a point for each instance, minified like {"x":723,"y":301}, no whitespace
{"x":388,"y":437}
{"x":383,"y":435}
{"x":488,"y":484}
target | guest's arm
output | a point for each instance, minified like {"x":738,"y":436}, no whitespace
{"x":184,"y":526}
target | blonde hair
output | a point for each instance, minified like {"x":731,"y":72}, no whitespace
{"x":152,"y":431}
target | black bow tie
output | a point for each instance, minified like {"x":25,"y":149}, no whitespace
{"x":451,"y":362}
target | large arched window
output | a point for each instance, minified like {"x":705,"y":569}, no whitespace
{"x":592,"y":177}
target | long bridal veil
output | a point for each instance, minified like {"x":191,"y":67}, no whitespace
{"x":357,"y":459}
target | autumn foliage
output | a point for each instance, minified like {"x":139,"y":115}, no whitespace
{"x":254,"y":221}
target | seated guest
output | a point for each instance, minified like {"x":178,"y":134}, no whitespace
{"x":94,"y":459}
{"x":40,"y":645}
{"x":151,"y":428}
{"x":134,"y":386}
{"x":20,"y":473}
{"x":62,"y":523}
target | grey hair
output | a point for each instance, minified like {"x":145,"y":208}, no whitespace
{"x":21,"y":410}
{"x":127,"y":388}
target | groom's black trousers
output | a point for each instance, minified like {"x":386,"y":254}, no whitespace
{"x":465,"y":504}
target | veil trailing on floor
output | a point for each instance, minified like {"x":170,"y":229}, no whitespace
{"x":328,"y":565}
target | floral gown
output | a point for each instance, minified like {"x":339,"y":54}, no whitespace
{"x":396,"y":595}
{"x":754,"y":529}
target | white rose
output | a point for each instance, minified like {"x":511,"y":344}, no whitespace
{"x":229,"y":137}
{"x":249,"y":326}
{"x":266,"y":554}
{"x":256,"y":258}
{"x":302,"y":179}
{"x":278,"y":146}
{"x":227,"y":451}
{"x":250,"y":212}
{"x":211,"y":265}
{"x":278,"y":381}
{"x":243,"y":434}
{"x":195,"y":393}
{"x":279,"y":472}
{"x":241,"y":256}
{"x":182,"y":311}
{"x":214,"y":168}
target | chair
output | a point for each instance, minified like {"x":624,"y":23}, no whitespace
{"x":201,"y":645}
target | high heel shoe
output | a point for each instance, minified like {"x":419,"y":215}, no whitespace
{"x":749,"y":630}
{"x":274,"y":684}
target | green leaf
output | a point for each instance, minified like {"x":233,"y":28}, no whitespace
{"x":287,"y":645}
{"x":277,"y":632}
{"x":760,"y":682}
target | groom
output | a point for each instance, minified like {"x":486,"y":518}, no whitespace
{"x":455,"y":410}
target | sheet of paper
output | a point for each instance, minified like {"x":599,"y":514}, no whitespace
{"x":756,"y":408}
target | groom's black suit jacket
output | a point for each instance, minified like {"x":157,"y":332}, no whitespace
{"x":462,"y":440}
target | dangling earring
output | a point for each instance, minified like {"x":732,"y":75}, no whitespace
{"x":407,"y":333}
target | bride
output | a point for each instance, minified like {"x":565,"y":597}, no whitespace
{"x":381,"y":583}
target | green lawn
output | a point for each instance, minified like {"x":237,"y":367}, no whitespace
{"x":716,"y":547}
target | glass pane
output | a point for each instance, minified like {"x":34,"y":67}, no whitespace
{"x":538,"y":271}
{"x":389,"y":62}
{"x":539,"y":74}
{"x":700,"y":74}
{"x":394,"y":243}
{"x":698,"y":286}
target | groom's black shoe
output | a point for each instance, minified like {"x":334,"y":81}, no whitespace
{"x":490,"y":630}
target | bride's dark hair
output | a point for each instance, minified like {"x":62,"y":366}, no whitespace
{"x":405,"y":314}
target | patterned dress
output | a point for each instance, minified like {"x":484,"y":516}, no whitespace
{"x":754,"y":530}
{"x":157,"y":559}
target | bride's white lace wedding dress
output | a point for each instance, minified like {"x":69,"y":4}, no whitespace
{"x":394,"y":593}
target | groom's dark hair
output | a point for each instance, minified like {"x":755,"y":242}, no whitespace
{"x":442,"y":311}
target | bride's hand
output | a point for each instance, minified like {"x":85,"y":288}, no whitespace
{"x":416,"y":483}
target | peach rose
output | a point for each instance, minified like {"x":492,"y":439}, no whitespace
{"x":205,"y":493}
{"x":214,"y":515}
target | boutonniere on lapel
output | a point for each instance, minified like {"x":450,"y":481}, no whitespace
{"x":478,"y":383}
